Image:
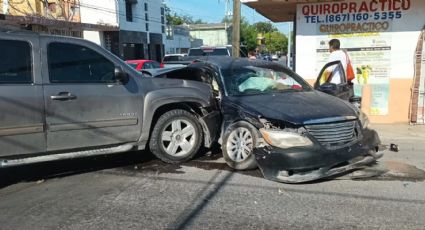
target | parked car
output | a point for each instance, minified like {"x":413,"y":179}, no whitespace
{"x":67,"y":97}
{"x":216,"y":51}
{"x":275,"y":120}
{"x":144,"y":64}
{"x":173,"y":60}
{"x":173,"y":57}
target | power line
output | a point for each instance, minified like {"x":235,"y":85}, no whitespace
{"x":120,"y":13}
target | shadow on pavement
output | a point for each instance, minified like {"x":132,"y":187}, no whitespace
{"x":40,"y":171}
{"x":143,"y":162}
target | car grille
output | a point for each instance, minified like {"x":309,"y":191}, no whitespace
{"x":335,"y":135}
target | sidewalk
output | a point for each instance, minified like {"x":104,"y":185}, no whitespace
{"x":399,"y":132}
{"x":410,"y":140}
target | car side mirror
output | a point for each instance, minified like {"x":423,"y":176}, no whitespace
{"x":329,"y":88}
{"x":120,"y":75}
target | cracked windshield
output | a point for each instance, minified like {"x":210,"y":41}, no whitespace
{"x":259,"y":80}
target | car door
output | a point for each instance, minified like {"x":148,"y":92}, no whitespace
{"x":342,"y":89}
{"x":86,"y":106}
{"x":21,"y":97}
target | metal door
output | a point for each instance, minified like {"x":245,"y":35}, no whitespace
{"x":21,"y":97}
{"x":85,"y":105}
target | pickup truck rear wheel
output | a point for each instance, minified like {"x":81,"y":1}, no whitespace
{"x":176,"y":137}
{"x":238,"y":145}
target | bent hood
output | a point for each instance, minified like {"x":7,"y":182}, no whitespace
{"x":296,"y":107}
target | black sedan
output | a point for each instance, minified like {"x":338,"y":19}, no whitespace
{"x":273,"y":119}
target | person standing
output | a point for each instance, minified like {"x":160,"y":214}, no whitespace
{"x":336,"y":55}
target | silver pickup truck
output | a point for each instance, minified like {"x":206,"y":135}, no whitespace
{"x":66,"y":97}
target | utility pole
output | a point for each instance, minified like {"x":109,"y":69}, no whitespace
{"x":289,"y":46}
{"x":236,"y":36}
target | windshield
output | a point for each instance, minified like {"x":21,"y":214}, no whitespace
{"x":248,"y":80}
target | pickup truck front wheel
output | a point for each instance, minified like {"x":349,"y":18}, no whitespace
{"x":176,"y":137}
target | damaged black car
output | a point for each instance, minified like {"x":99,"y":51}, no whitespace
{"x":273,"y":119}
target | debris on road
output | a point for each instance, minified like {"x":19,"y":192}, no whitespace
{"x":394,"y":147}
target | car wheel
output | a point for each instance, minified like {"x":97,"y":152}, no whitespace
{"x":176,"y":137}
{"x":238,"y":145}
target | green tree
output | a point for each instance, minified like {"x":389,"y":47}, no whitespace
{"x":276,"y":41}
{"x":248,"y":35}
{"x":265,"y":27}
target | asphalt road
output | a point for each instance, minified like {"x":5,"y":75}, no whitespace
{"x":136,"y":191}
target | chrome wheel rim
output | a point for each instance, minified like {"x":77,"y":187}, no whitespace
{"x":178,"y":138}
{"x":240,"y":144}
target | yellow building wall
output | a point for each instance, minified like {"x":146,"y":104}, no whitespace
{"x":56,"y":9}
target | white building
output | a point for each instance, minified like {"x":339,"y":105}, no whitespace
{"x":141,"y":24}
{"x":178,"y":40}
{"x":218,"y":34}
{"x":142,"y":29}
{"x":101,"y":12}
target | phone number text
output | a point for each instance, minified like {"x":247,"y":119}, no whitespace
{"x":354,"y":17}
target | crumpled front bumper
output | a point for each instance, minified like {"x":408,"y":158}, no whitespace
{"x":298,"y":165}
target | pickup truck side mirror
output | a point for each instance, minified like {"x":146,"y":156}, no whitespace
{"x":120,"y":75}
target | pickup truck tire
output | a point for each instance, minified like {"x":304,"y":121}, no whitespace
{"x":238,"y":144}
{"x":176,"y":137}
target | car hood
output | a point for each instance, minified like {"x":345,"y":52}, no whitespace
{"x":298,"y":108}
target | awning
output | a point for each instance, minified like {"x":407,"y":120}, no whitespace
{"x":279,"y":10}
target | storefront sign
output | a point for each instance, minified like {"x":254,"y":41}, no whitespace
{"x":375,"y":33}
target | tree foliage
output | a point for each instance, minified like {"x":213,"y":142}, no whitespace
{"x":265,"y":27}
{"x":248,"y":35}
{"x":274,"y":40}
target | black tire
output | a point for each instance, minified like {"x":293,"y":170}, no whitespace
{"x":247,"y":162}
{"x":158,"y":146}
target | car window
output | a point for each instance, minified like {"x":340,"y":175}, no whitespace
{"x":155,"y":65}
{"x":147,"y":65}
{"x":16,"y":68}
{"x":171,"y":58}
{"x":71,"y":63}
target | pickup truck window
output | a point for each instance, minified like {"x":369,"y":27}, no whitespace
{"x":70,"y":63}
{"x":16,"y":68}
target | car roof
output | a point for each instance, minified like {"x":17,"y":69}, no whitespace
{"x":169,"y":55}
{"x":226,"y":63}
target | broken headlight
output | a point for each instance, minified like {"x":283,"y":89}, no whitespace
{"x":364,"y":120}
{"x":284,"y":139}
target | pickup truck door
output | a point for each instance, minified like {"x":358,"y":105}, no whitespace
{"x":341,"y":90}
{"x":21,"y":97}
{"x":86,"y":106}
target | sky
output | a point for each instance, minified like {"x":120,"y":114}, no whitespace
{"x":213,"y":11}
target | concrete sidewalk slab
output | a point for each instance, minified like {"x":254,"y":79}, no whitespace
{"x":400,"y":131}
